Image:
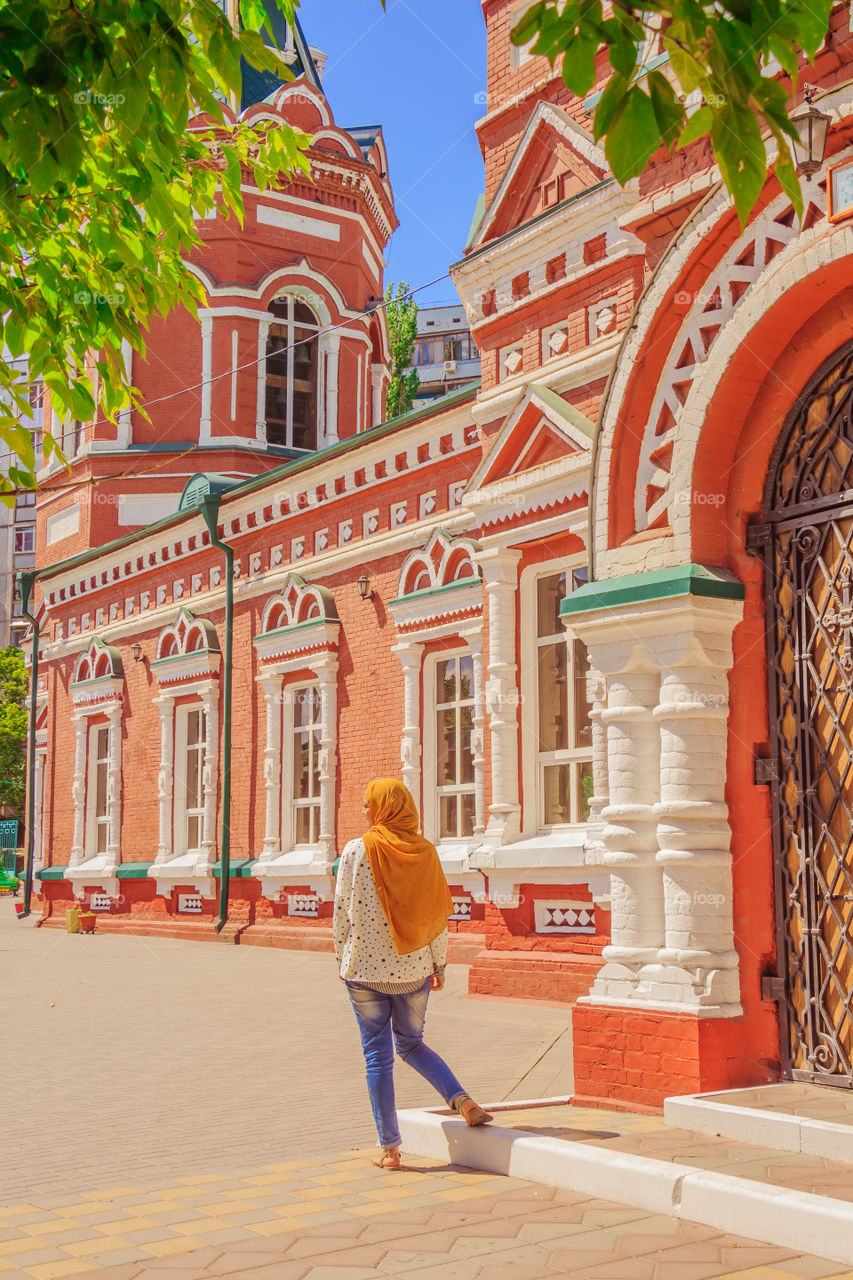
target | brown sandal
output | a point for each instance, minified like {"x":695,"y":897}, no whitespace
{"x":389,"y":1158}
{"x":472,"y":1113}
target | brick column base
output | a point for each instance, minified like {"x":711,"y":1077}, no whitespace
{"x":631,"y":1058}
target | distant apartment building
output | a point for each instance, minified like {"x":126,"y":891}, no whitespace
{"x":17,"y":541}
{"x":446,"y":356}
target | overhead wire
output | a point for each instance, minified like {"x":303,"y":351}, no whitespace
{"x":134,"y":473}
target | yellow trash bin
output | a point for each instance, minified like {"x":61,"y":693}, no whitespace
{"x":72,"y":920}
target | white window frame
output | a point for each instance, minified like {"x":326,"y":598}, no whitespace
{"x":430,"y":789}
{"x":533,"y":763}
{"x":317,"y":329}
{"x":290,"y":804}
{"x":181,"y":814}
{"x":520,"y":54}
{"x":26,"y":533}
{"x":96,"y":821}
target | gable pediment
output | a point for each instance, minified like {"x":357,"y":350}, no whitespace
{"x":555,"y":159}
{"x":542,"y":430}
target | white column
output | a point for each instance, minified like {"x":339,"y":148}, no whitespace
{"x":666,"y":838}
{"x":377,"y":373}
{"x":409,"y":653}
{"x":261,"y":412}
{"x":166,"y":775}
{"x":210,"y":772}
{"x":78,"y":787}
{"x":330,"y":350}
{"x":124,"y":428}
{"x":205,"y":423}
{"x":630,"y":831}
{"x":699,"y":964}
{"x":114,"y":786}
{"x":235,"y":360}
{"x":271,"y":685}
{"x":38,"y":793}
{"x":326,"y":668}
{"x":596,"y":692}
{"x":475,"y":644}
{"x":500,"y":573}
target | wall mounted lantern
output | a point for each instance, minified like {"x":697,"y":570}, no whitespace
{"x":136,"y":650}
{"x":812,"y":128}
{"x":364,"y":588}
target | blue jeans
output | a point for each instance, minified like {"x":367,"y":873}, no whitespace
{"x":379,"y":1016}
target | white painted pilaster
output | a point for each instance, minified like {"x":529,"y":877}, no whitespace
{"x":210,"y":773}
{"x":114,"y":787}
{"x":261,"y":412}
{"x":205,"y":423}
{"x":166,"y":774}
{"x":330,"y":350}
{"x":409,"y":652}
{"x":500,"y":576}
{"x":78,"y":787}
{"x":271,"y":685}
{"x":326,"y":668}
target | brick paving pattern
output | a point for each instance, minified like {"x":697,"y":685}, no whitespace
{"x":118,"y":1159}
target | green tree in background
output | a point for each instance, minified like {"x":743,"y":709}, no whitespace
{"x":13,"y":729}
{"x":401,"y":312}
{"x":723,"y":60}
{"x":102,"y":185}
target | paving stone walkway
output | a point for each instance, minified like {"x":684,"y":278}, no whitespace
{"x":183,"y":1110}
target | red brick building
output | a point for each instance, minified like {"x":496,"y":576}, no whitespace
{"x":401,"y":588}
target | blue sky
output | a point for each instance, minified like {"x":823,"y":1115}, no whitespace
{"x":419,"y":70}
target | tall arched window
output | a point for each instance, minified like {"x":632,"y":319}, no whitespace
{"x":291,"y":375}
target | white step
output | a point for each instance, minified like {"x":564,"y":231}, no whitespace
{"x":711,"y":1113}
{"x":798,"y":1220}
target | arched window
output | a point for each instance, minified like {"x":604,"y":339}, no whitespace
{"x":291,"y":375}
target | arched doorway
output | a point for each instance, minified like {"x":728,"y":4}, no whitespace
{"x":808,"y":547}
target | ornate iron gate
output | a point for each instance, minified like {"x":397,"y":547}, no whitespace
{"x":808,"y":546}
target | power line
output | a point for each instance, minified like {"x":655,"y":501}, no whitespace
{"x":381,"y":305}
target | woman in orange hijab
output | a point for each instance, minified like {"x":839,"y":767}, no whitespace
{"x":391,"y":909}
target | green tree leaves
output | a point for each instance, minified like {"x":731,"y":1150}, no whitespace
{"x":102,"y":185}
{"x":721,"y":82}
{"x":401,"y":314}
{"x":13,"y":728}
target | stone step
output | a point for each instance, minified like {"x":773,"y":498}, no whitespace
{"x":811,"y":1119}
{"x":800,"y":1201}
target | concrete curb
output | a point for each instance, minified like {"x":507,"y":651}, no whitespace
{"x":760,"y":1211}
{"x":701,"y":1113}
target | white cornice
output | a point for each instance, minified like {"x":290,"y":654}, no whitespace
{"x":288,"y":642}
{"x":426,"y":610}
{"x":542,"y":238}
{"x":562,"y":123}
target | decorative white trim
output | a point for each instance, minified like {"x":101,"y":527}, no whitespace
{"x":562,"y":123}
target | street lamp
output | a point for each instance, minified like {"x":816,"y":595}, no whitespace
{"x":812,"y":128}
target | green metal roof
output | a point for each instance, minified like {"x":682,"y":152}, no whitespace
{"x":659,"y":584}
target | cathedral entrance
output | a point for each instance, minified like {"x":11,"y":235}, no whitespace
{"x":808,"y":548}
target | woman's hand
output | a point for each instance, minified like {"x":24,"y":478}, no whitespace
{"x":436,"y":982}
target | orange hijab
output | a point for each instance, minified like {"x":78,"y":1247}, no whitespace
{"x":406,"y":869}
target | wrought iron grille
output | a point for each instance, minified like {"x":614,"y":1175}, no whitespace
{"x":809,"y":563}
